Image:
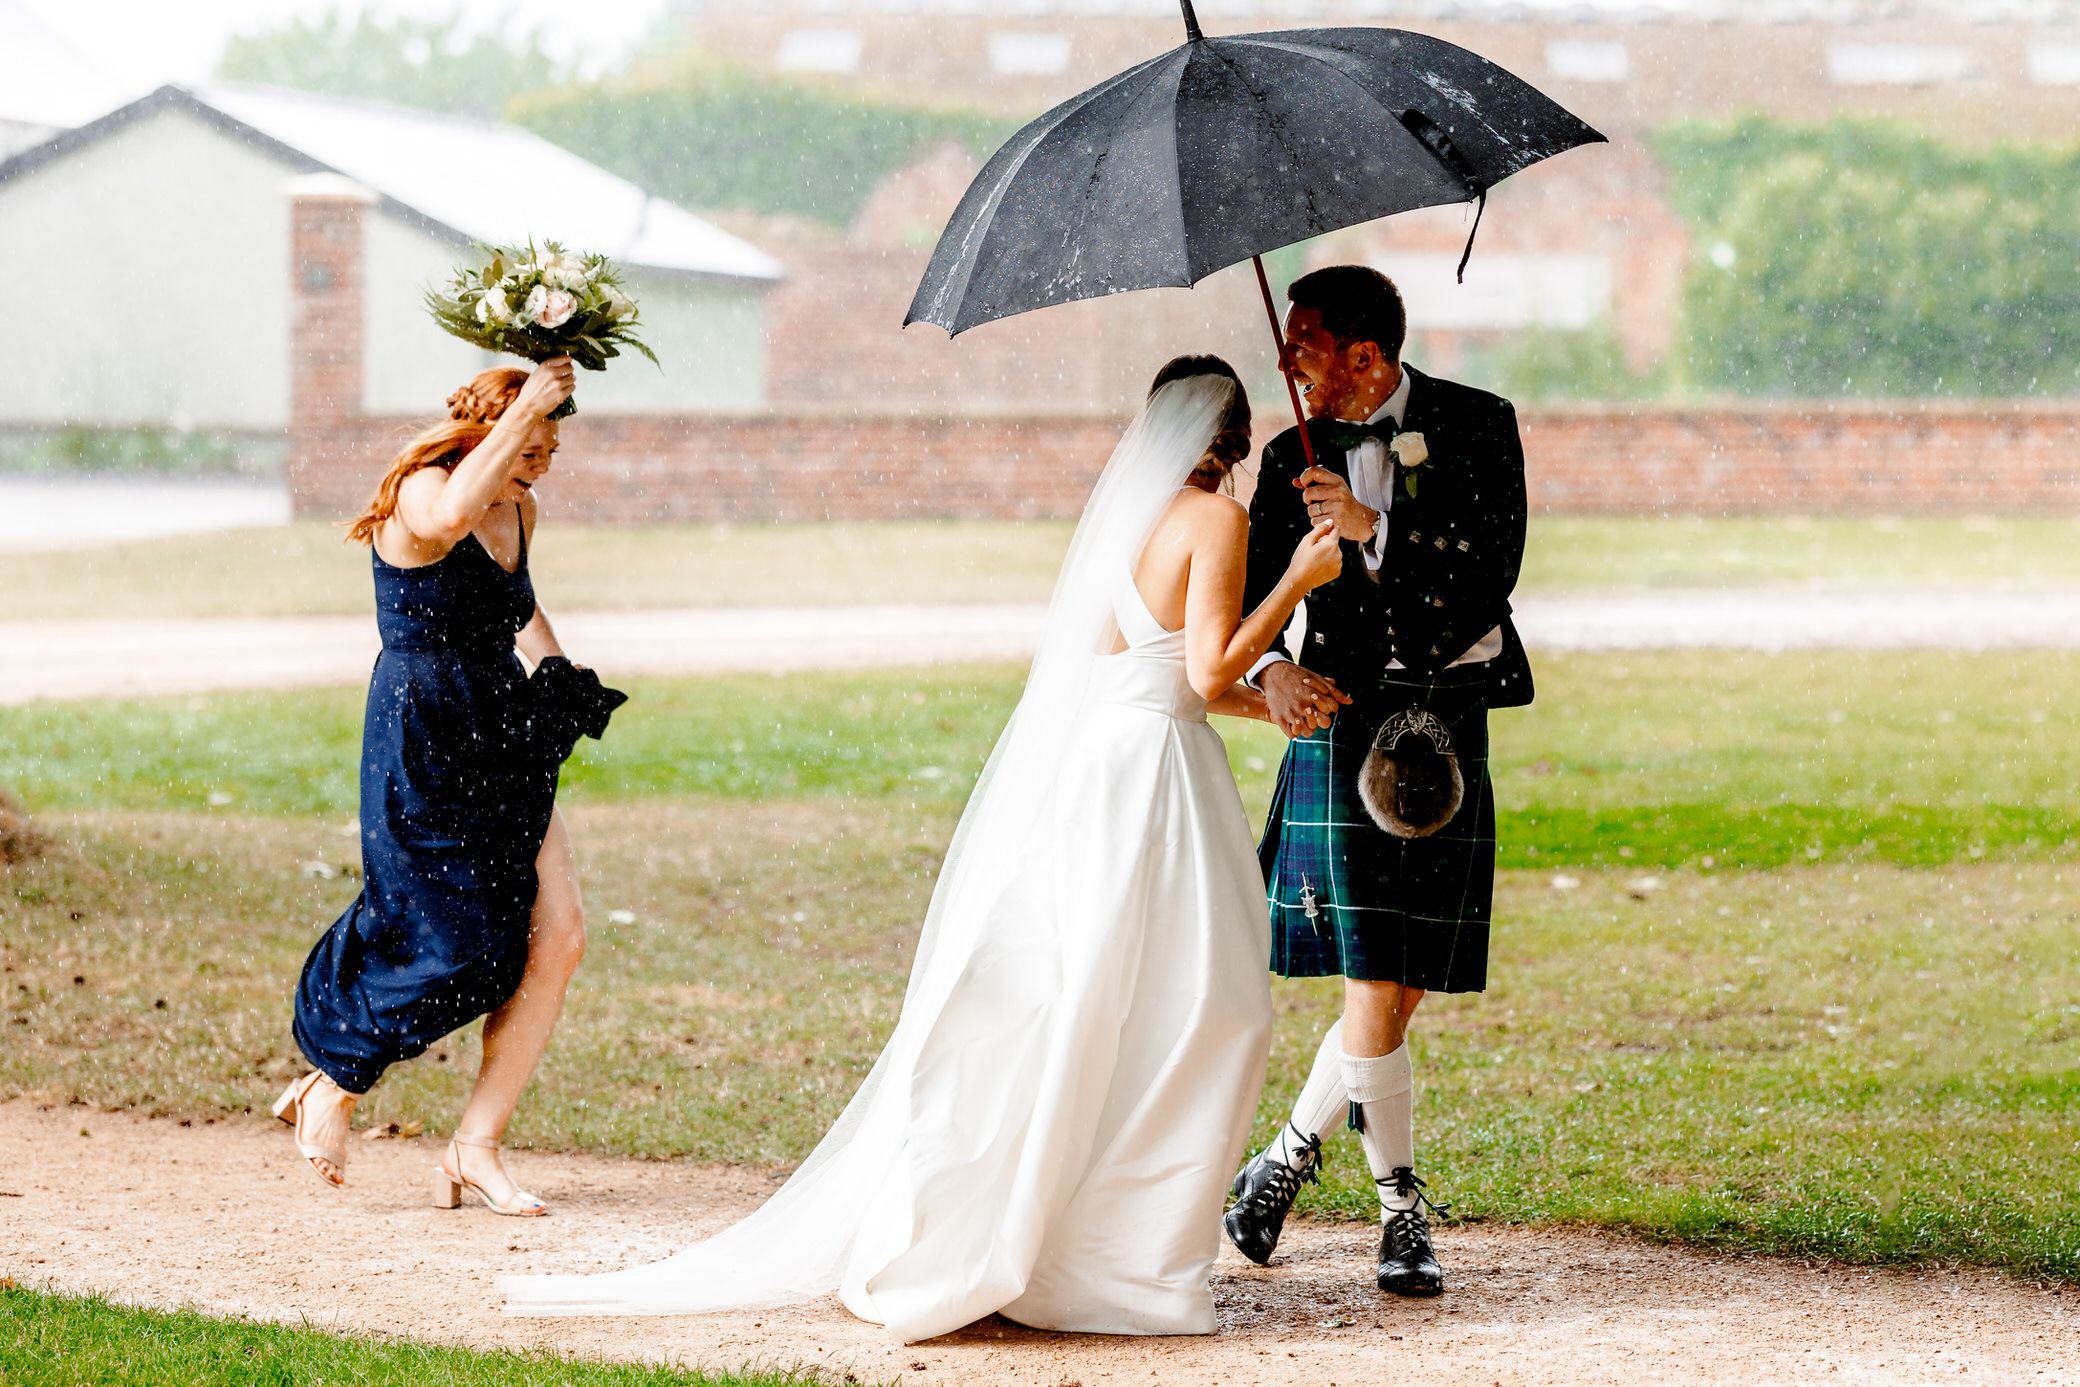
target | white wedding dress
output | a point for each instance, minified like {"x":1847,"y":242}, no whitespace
{"x":1052,"y":1127}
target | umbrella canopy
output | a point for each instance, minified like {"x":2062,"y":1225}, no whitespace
{"x":1225,"y":148}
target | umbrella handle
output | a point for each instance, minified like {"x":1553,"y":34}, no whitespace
{"x":1278,"y":340}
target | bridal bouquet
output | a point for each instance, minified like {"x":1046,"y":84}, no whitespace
{"x":538,"y":304}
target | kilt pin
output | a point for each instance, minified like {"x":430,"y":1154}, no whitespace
{"x":1348,"y":898}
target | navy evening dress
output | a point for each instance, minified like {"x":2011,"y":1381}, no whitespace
{"x":457,"y":787}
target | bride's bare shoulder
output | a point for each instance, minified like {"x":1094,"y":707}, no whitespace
{"x":1208,"y":513}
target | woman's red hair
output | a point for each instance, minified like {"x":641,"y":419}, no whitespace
{"x":472,"y":411}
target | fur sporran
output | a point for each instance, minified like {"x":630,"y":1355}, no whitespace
{"x":1410,"y":781}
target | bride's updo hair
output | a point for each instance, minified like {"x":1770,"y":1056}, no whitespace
{"x":472,"y":411}
{"x":1231,"y":441}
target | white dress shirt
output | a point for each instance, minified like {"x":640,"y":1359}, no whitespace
{"x":1371,"y":473}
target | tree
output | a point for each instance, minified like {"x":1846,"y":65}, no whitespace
{"x":711,"y":134}
{"x":1858,"y":259}
{"x":407,"y":62}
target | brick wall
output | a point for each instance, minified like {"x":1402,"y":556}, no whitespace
{"x":1835,"y":456}
{"x":769,"y":467}
{"x":325,"y":334}
{"x":1879,"y":459}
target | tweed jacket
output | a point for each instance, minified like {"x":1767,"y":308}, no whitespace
{"x":1452,"y":553}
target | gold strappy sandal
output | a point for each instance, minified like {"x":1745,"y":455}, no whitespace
{"x":289,"y":1108}
{"x":448,"y":1185}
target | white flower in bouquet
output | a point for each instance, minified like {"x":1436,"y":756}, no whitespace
{"x":565,"y":272}
{"x":618,"y":303}
{"x":550,"y":307}
{"x":493,"y":308}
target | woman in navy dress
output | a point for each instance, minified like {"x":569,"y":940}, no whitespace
{"x":470,"y":904}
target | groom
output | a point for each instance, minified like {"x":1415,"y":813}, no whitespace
{"x":1425,"y":482}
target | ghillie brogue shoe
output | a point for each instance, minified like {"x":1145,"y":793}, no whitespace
{"x":1407,"y":1262}
{"x":1264,"y":1192}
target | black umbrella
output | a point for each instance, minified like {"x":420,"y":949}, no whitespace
{"x":1223,"y":149}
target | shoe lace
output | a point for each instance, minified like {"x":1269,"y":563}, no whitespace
{"x":1406,"y":1182}
{"x":1285,"y":1182}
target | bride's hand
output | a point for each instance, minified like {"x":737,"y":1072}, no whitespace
{"x":1317,"y":559}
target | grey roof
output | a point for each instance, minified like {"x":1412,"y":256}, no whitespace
{"x":471,"y":180}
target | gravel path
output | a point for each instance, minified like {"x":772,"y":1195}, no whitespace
{"x":95,"y":659}
{"x":224,"y":1218}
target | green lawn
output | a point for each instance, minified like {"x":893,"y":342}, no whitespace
{"x":1646,"y":758}
{"x":1869,"y":1054}
{"x":304,"y":569}
{"x":65,"y":1341}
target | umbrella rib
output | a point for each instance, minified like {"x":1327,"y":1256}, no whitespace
{"x":1150,"y":74}
{"x":1338,"y":74}
{"x":1313,"y":212}
{"x":1034,"y":133}
{"x":1458,"y":96}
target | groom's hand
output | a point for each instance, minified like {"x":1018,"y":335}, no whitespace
{"x":1299,"y":700}
{"x":1329,"y":497}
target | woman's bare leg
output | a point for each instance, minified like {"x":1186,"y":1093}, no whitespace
{"x":517,"y":1033}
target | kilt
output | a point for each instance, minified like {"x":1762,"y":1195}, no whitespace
{"x":1386,"y":909}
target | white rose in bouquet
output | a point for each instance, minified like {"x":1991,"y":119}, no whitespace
{"x":550,"y":307}
{"x":493,"y":308}
{"x":565,"y":272}
{"x":618,"y":303}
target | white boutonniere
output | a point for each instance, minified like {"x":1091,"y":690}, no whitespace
{"x":1411,"y":452}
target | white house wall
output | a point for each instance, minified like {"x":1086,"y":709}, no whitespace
{"x":409,"y":366}
{"x":161,"y":256}
{"x":709,"y":338}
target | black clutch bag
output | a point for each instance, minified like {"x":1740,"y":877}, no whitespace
{"x":1410,"y":781}
{"x":568,"y":703}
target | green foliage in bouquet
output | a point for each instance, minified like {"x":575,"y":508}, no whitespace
{"x":538,"y":304}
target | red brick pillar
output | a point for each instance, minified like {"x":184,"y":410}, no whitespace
{"x":326,"y":434}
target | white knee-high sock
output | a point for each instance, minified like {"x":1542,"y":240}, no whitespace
{"x":1385,"y":1090}
{"x":1322,"y":1103}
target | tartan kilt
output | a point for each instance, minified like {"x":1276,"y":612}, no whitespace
{"x":1387,"y":909}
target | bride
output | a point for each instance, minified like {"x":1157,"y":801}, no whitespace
{"x":1052,"y":1127}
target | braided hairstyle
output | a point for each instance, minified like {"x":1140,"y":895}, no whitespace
{"x":1231,"y":441}
{"x":472,"y":411}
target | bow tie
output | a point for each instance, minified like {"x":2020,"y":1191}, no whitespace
{"x":1340,"y":433}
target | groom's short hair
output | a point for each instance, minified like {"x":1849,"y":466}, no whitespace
{"x":1357,"y":304}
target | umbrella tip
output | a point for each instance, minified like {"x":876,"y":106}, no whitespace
{"x":1191,"y":22}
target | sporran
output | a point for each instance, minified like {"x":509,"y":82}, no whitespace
{"x":1410,"y":782}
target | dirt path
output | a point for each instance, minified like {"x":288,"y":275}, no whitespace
{"x":223,"y":1218}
